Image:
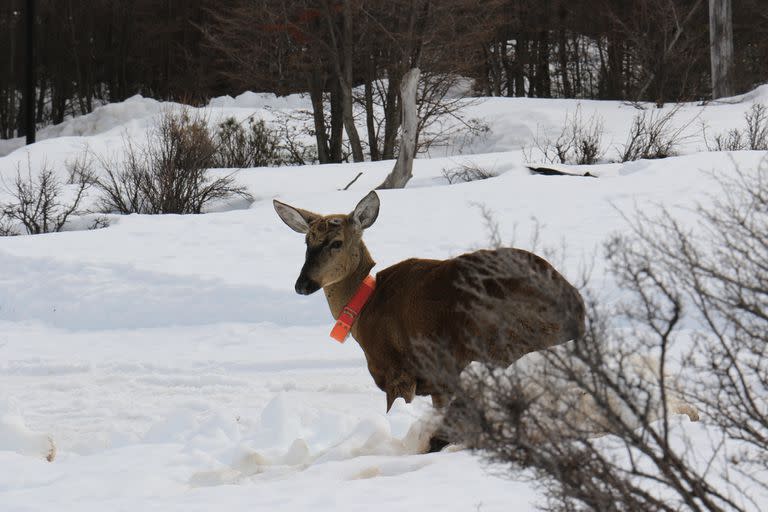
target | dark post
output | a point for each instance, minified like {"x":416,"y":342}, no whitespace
{"x":29,"y":94}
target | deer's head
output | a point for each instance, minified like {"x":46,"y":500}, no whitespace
{"x":334,"y":242}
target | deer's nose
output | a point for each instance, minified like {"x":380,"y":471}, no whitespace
{"x":306,"y":286}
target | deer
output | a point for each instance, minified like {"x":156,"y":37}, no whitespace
{"x":492,"y":306}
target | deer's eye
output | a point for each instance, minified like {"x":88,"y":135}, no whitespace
{"x":336,"y":244}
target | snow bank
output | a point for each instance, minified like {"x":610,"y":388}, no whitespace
{"x":104,"y":118}
{"x":261,"y":100}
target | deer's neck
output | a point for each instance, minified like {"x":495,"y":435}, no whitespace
{"x":340,"y":293}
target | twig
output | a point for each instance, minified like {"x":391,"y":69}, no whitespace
{"x":351,"y":182}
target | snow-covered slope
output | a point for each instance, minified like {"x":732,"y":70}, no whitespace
{"x":174,"y":368}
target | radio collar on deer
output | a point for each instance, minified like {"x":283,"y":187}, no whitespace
{"x":349,"y":314}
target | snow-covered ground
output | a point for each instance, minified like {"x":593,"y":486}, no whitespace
{"x":172,"y":366}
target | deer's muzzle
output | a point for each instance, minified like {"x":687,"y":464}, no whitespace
{"x":305,"y":285}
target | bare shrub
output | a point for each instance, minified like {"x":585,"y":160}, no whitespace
{"x":466,"y":172}
{"x":754,"y":135}
{"x":99,"y":222}
{"x":690,"y":335}
{"x":7,"y":227}
{"x":168,"y":173}
{"x":38,"y":205}
{"x":239,"y":147}
{"x":653,"y":136}
{"x":492,"y":227}
{"x":757,"y":127}
{"x":293,"y":132}
{"x":733,"y":140}
{"x":724,"y":274}
{"x":579,"y":142}
{"x":80,"y":168}
{"x":122,"y":185}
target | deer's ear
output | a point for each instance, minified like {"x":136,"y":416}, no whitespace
{"x":366,"y":211}
{"x":296,"y":218}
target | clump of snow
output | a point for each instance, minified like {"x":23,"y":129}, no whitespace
{"x":16,"y":436}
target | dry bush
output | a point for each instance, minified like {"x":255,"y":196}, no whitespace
{"x":653,"y":136}
{"x":579,"y":142}
{"x":689,"y":335}
{"x":38,"y":205}
{"x":99,"y":222}
{"x":80,"y":168}
{"x":732,"y":140}
{"x":754,"y":135}
{"x":240,"y":147}
{"x":467,"y":172}
{"x":262,"y":145}
{"x":293,"y":131}
{"x":723,"y":272}
{"x":169,"y":172}
{"x":7,"y":227}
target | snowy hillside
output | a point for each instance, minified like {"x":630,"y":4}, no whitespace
{"x":173,"y":366}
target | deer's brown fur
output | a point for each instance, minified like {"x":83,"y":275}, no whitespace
{"x":490,"y":305}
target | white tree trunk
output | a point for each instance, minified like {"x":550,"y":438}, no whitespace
{"x":403,"y":169}
{"x":721,"y":47}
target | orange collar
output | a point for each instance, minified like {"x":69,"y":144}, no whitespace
{"x":349,"y":314}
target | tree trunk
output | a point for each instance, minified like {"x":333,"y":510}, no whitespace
{"x":12,"y":87}
{"x":521,"y":58}
{"x":563,"y":54}
{"x":345,"y":80}
{"x":615,"y":68}
{"x":373,"y":142}
{"x":337,"y":124}
{"x":562,"y":43}
{"x":318,"y":115}
{"x":41,"y":89}
{"x":493,"y":60}
{"x":391,"y":115}
{"x":721,"y":47}
{"x":29,"y":86}
{"x":403,"y":169}
{"x":509,"y":70}
{"x":543,"y":84}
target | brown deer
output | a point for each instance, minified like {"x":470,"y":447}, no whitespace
{"x":490,"y":305}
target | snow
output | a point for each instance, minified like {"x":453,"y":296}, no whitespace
{"x":172,"y":366}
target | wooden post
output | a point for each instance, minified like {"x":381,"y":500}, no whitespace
{"x":29,"y":86}
{"x":721,"y":48}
